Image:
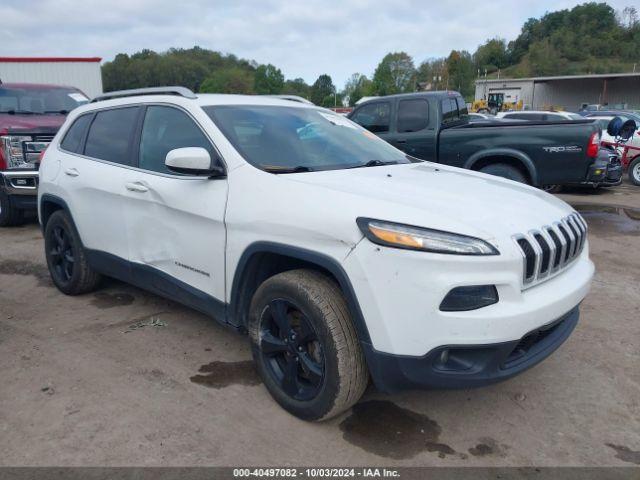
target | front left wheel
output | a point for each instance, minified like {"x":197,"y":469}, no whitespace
{"x":66,"y":258}
{"x":305,"y":345}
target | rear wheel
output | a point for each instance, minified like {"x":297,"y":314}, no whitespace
{"x":305,"y":346}
{"x":9,"y":215}
{"x":634,"y":171}
{"x":66,"y":258}
{"x":506,"y":171}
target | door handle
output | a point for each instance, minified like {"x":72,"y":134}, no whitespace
{"x":72,"y":172}
{"x":401,"y":141}
{"x":136,"y":187}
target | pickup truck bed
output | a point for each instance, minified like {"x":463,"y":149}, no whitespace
{"x":434,"y":126}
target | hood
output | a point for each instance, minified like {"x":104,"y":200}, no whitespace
{"x":31,"y":123}
{"x":440,"y":197}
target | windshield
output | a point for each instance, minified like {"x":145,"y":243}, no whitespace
{"x":575,"y":116}
{"x":40,"y":100}
{"x":289,"y":139}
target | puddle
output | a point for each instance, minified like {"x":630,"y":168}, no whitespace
{"x":608,"y":219}
{"x":625,"y":453}
{"x":387,"y":430}
{"x":21,"y":267}
{"x":104,"y":300}
{"x":223,"y":374}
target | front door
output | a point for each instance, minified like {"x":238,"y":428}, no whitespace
{"x":175,"y":223}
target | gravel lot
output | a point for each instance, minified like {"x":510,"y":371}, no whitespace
{"x":122,"y":377}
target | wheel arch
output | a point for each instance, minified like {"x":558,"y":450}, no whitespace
{"x":48,"y":205}
{"x":262,"y":260}
{"x":504,"y":155}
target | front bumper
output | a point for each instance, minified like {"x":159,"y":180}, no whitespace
{"x":19,"y":182}
{"x":468,"y":366}
{"x":21,"y":188}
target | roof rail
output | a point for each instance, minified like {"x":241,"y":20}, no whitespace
{"x":179,"y":91}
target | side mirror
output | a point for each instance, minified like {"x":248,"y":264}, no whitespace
{"x":192,"y":161}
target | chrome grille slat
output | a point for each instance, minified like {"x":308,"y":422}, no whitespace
{"x":562,"y":242}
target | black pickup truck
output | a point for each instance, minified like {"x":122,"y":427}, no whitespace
{"x":435,"y":126}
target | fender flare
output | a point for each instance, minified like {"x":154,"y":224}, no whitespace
{"x":320,"y":259}
{"x":505,"y":152}
{"x":47,"y":197}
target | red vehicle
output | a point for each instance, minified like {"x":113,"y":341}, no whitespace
{"x":30,"y":116}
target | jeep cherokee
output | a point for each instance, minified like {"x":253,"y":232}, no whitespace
{"x":342,"y":257}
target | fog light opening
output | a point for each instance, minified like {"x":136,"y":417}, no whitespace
{"x":462,"y":299}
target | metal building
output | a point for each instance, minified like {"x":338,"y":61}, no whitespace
{"x":80,"y":72}
{"x":570,"y":92}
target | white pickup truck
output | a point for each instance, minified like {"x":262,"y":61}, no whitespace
{"x":342,"y":257}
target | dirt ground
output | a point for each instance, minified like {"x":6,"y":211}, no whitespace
{"x":123,"y":377}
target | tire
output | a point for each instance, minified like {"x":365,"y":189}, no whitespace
{"x":9,"y":215}
{"x":506,"y":171}
{"x":321,"y":352}
{"x":66,"y":258}
{"x":634,"y":171}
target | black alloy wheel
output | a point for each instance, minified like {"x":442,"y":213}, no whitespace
{"x":291,"y":351}
{"x":61,"y":254}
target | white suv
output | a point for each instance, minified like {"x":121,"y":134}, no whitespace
{"x":340,"y":255}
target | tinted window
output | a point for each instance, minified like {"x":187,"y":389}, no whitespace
{"x":463,"y":111}
{"x":288,"y":139}
{"x":164,"y":129}
{"x":449,"y":110}
{"x":413,"y":115}
{"x":554,"y":118}
{"x":73,"y":139}
{"x":374,"y":117}
{"x":111,"y":133}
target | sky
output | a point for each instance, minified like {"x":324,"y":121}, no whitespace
{"x":303,"y":38}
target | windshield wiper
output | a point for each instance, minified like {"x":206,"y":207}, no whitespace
{"x":375,"y":163}
{"x":296,"y":169}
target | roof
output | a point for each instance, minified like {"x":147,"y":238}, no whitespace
{"x":50,"y":59}
{"x":560,"y":77}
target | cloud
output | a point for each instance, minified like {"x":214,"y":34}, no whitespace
{"x":304,"y":39}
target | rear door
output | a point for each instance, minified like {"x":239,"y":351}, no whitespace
{"x":415,"y":129}
{"x":175,"y":223}
{"x":97,"y":152}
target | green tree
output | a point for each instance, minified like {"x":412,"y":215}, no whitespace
{"x":297,"y":86}
{"x":432,"y":74}
{"x":229,"y":80}
{"x":356,"y":87}
{"x":461,"y":73}
{"x":394,"y":74}
{"x":321,"y":89}
{"x":491,"y":55}
{"x":268,"y":80}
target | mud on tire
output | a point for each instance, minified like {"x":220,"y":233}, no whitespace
{"x":66,"y":258}
{"x":287,"y":310}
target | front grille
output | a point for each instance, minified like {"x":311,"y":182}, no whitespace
{"x":551,"y":248}
{"x":43,"y":137}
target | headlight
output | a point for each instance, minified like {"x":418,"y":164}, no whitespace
{"x":416,"y":238}
{"x":13,"y":152}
